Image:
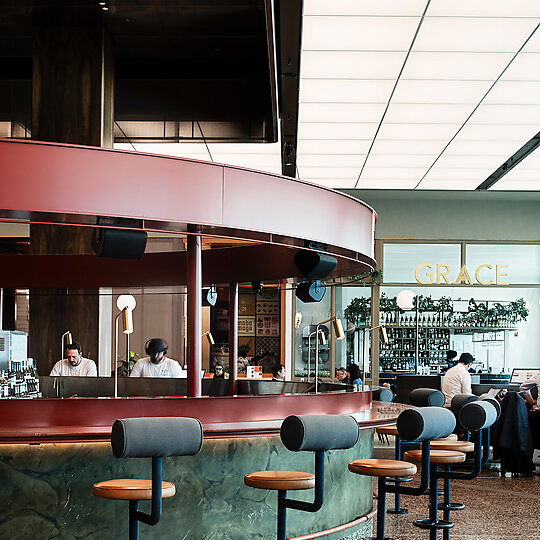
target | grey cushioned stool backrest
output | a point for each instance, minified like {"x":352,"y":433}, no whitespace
{"x":426,"y":397}
{"x":156,"y":437}
{"x":477,"y":415}
{"x":494,"y":402}
{"x":461,"y":400}
{"x":382,"y":394}
{"x":425,"y":423}
{"x":314,"y":432}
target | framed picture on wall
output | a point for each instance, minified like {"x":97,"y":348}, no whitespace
{"x":246,"y":326}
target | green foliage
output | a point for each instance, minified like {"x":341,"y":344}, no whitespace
{"x":123,"y":370}
{"x":358,"y":309}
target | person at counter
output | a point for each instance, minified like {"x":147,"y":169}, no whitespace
{"x":526,"y":387}
{"x":219,"y":370}
{"x":353,"y":373}
{"x":278,"y":373}
{"x":156,"y":364}
{"x":74,"y":365}
{"x":450,"y":360}
{"x":342,"y":376}
{"x":457,"y":380}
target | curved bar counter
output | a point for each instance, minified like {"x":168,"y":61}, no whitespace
{"x":47,"y":482}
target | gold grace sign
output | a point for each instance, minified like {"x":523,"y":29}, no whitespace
{"x":427,"y":275}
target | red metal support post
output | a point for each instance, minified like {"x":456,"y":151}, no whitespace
{"x":194,"y":322}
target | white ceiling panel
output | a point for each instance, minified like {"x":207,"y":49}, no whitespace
{"x":356,"y":33}
{"x":351,"y":65}
{"x":345,"y":91}
{"x":417,"y":131}
{"x":409,"y":160}
{"x":507,"y":114}
{"x":497,"y":132}
{"x":400,"y":173}
{"x":340,"y":112}
{"x":335,"y":147}
{"x":446,"y":113}
{"x":516,"y":185}
{"x":336,"y":130}
{"x":328,"y":172}
{"x":330,"y":160}
{"x":514,"y":92}
{"x":473,"y":66}
{"x":504,"y":149}
{"x":385,"y":147}
{"x":523,"y":68}
{"x":475,"y":161}
{"x":365,"y":7}
{"x":332,"y":182}
{"x":474,"y":34}
{"x":422,"y":91}
{"x":484,"y":8}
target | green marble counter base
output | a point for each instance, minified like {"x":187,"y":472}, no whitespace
{"x":47,"y":492}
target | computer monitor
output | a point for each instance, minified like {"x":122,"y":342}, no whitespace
{"x":520,"y":375}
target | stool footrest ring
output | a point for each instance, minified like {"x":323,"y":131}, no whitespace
{"x":399,"y":511}
{"x":400,"y":479}
{"x":451,"y":506}
{"x":428,"y":524}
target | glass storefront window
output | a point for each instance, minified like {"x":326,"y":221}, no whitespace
{"x":505,"y":264}
{"x":419,"y":263}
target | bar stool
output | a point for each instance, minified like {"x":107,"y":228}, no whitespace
{"x":148,"y":437}
{"x":474,"y":416}
{"x":418,"y":425}
{"x":419,"y":397}
{"x":310,"y":433}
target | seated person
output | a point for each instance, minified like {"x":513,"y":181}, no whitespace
{"x":219,"y":371}
{"x":278,"y":373}
{"x":451,"y":360}
{"x":457,"y":380}
{"x":74,"y":364}
{"x":156,"y":364}
{"x":342,"y":375}
{"x":527,"y":385}
{"x":353,"y":373}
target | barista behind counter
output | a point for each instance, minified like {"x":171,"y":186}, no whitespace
{"x":74,"y":365}
{"x":156,"y":364}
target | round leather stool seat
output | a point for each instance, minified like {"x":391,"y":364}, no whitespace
{"x":458,"y":446}
{"x":387,"y":430}
{"x":436,"y":456}
{"x":382,"y":467}
{"x":130,"y":489}
{"x":282,"y":480}
{"x":451,"y":437}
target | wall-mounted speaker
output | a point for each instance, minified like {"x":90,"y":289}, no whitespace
{"x":310,"y":291}
{"x":120,"y":243}
{"x":209,"y":296}
{"x":313,"y":264}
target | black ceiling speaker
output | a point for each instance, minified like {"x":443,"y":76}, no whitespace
{"x":310,"y":291}
{"x":120,"y":243}
{"x":257,"y":286}
{"x":209,"y":296}
{"x":313,"y":264}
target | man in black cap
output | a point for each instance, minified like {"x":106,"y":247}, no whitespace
{"x":156,"y":364}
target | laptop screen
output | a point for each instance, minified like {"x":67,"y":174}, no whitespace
{"x":520,"y":375}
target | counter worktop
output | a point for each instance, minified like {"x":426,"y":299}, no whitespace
{"x":90,"y":419}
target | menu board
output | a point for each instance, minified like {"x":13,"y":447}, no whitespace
{"x":267,"y":325}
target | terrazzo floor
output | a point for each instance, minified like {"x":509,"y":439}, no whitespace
{"x":496,"y":508}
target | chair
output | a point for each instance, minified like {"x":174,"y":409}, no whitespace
{"x":309,"y":433}
{"x":419,"y":425}
{"x":148,"y":437}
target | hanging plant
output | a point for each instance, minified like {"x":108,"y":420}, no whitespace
{"x":426,"y":303}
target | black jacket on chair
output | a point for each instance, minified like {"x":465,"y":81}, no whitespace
{"x":512,"y":439}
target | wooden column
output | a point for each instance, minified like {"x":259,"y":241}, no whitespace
{"x":194,"y":309}
{"x":73,"y":73}
{"x":233,"y":338}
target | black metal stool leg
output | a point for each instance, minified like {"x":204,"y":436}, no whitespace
{"x":381,"y":507}
{"x":397,"y":496}
{"x":133,"y":522}
{"x":432,"y":523}
{"x":282,"y":515}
